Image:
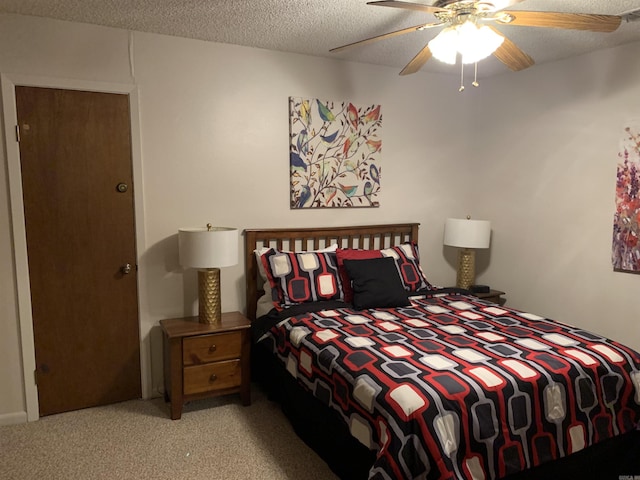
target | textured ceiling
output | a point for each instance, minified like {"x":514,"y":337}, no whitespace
{"x":313,"y":27}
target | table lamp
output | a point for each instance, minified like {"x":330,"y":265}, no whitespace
{"x":468,"y":235}
{"x":208,"y":249}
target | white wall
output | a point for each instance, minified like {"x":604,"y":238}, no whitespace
{"x":215,"y":130}
{"x":546,"y":179}
{"x":214,"y":141}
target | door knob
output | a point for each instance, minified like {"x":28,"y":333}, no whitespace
{"x":126,"y":269}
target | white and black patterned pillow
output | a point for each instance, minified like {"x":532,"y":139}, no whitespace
{"x":407,"y":260}
{"x":302,"y":277}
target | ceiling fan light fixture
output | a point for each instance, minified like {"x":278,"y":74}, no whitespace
{"x":477,"y":43}
{"x":464,"y":18}
{"x":474,"y":43}
{"x":444,"y":46}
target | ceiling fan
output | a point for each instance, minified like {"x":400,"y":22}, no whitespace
{"x":469,"y":30}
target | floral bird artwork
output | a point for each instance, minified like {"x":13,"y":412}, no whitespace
{"x":302,"y":141}
{"x":372,"y":115}
{"x":352,"y":113}
{"x":374,"y":173}
{"x":329,"y":138}
{"x":325,"y":112}
{"x":305,"y":111}
{"x":368,"y":188}
{"x":348,"y":190}
{"x":297,"y":163}
{"x":303,"y":196}
{"x":374,"y":145}
{"x":331,"y":192}
{"x":335,"y":151}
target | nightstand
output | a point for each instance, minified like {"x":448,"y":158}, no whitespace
{"x":204,"y":360}
{"x":494,"y":296}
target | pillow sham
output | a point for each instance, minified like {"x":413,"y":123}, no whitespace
{"x":302,"y":277}
{"x":407,"y":261}
{"x":407,"y":258}
{"x":376,"y":283}
{"x":265,"y":302}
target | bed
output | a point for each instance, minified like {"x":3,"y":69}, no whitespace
{"x":386,"y":376}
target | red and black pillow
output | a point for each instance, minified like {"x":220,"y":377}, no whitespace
{"x":407,"y":262}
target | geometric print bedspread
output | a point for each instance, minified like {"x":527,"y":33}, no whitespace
{"x":455,"y":387}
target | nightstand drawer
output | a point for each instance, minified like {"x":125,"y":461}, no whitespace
{"x":204,"y":360}
{"x":211,"y":348}
{"x":212,"y":376}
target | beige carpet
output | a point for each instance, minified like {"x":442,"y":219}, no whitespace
{"x":215,"y":439}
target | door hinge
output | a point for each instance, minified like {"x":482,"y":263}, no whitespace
{"x":35,"y":376}
{"x":18,"y":133}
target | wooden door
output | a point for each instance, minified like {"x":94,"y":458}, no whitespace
{"x":75,"y":155}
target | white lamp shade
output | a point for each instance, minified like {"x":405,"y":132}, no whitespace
{"x":204,"y":248}
{"x":466,"y":233}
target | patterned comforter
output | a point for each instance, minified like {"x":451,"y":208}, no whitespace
{"x":455,"y":387}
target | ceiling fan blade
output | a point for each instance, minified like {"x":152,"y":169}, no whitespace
{"x":511,"y":55}
{"x":407,"y":6}
{"x":366,"y":41}
{"x":571,"y":21}
{"x":417,"y":62}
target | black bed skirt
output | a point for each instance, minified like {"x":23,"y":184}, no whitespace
{"x":325,"y":432}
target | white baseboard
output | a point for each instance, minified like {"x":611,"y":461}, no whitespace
{"x":13,"y":418}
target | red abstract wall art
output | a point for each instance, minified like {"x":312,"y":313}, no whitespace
{"x":626,"y":223}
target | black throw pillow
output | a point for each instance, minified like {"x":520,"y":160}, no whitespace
{"x":376,"y":283}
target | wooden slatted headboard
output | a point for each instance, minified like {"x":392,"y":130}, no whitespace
{"x":302,"y":239}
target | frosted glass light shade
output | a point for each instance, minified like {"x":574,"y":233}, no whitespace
{"x":474,"y":43}
{"x":466,"y":233}
{"x":204,"y":248}
{"x":444,"y":46}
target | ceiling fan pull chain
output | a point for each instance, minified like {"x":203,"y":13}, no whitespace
{"x":461,"y":77}
{"x":475,"y":76}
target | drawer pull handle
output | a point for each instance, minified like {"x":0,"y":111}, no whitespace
{"x":213,"y":377}
{"x":212,"y":349}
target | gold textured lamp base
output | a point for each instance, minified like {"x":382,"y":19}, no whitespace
{"x":466,"y":268}
{"x":209,"y":301}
